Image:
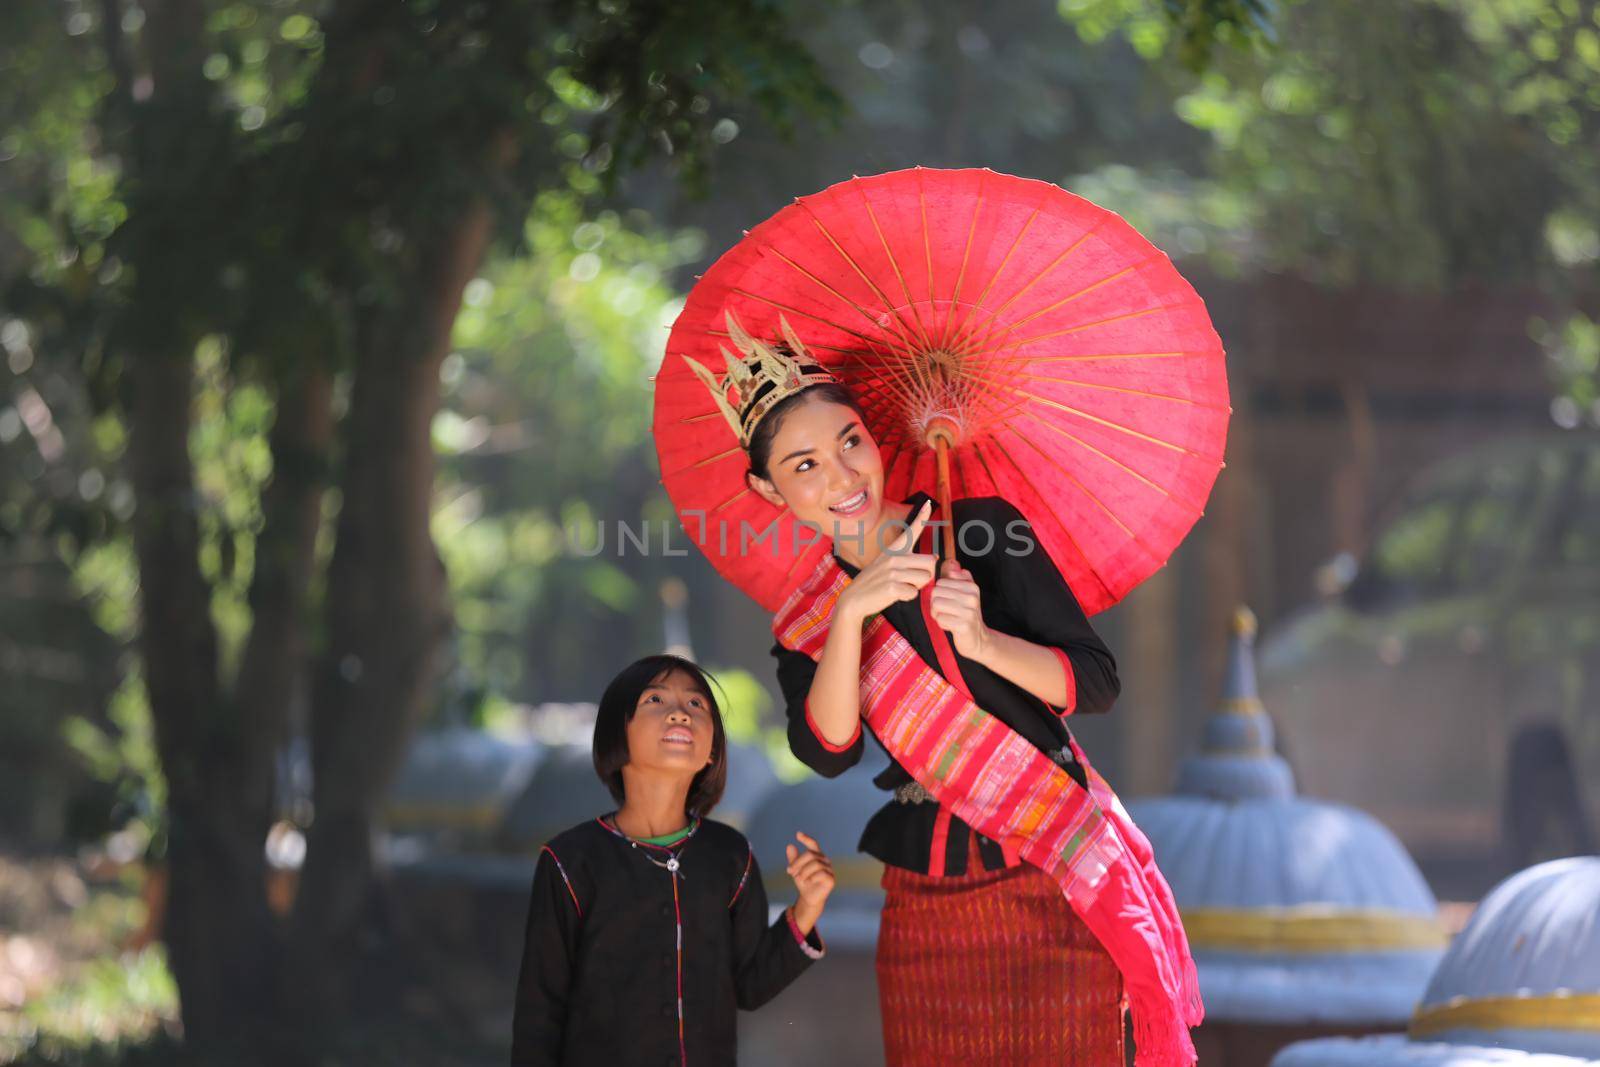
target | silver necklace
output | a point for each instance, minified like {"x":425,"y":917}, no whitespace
{"x":670,"y":864}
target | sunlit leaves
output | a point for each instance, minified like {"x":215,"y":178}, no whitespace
{"x":1417,"y":149}
{"x":1183,"y":215}
{"x":1572,"y":349}
{"x":547,"y":387}
{"x":655,"y":65}
{"x":232,"y":464}
{"x":1192,"y":29}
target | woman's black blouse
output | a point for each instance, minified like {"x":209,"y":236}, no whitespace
{"x":1022,"y":594}
{"x":600,"y":964}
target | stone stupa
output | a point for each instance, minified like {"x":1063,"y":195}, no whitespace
{"x":1520,"y":987}
{"x":1305,"y":918}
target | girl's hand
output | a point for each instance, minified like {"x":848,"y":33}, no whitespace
{"x":813,"y":877}
{"x":956,"y":606}
{"x":897,"y":574}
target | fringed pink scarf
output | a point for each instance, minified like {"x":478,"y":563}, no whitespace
{"x":994,"y":780}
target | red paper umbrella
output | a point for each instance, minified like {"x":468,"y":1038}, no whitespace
{"x":1055,"y":355}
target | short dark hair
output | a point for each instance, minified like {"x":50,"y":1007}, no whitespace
{"x":760,"y":448}
{"x":621,"y":700}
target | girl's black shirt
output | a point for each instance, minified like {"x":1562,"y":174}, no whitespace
{"x":601,"y":965}
{"x":1022,"y":594}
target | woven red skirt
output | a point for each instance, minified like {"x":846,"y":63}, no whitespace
{"x":993,"y":967}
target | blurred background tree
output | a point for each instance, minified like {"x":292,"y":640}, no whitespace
{"x":545,"y":439}
{"x":248,"y":228}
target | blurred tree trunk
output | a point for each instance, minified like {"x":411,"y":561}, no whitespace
{"x":387,"y":612}
{"x":343,"y":233}
{"x":217,"y":928}
{"x":273,"y":664}
{"x":218,"y":751}
{"x":217,"y":744}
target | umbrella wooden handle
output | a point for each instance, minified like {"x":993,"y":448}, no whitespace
{"x":942,"y":435}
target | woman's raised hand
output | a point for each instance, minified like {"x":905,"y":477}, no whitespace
{"x":957,"y":605}
{"x":897,"y":574}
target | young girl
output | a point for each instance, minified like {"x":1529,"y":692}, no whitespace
{"x":649,"y":925}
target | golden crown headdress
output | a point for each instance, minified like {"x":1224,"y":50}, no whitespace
{"x":761,"y":378}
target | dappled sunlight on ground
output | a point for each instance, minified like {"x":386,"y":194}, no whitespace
{"x":68,"y":980}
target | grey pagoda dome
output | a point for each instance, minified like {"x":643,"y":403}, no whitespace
{"x":1297,"y":911}
{"x":564,"y":792}
{"x":459,"y":778}
{"x":832,"y":810}
{"x":1520,"y":985}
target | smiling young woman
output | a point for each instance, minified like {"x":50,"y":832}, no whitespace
{"x":980,"y":955}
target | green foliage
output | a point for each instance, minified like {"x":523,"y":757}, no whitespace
{"x":1572,"y":348}
{"x":1193,"y":30}
{"x":268,"y":187}
{"x":120,"y":753}
{"x":1450,"y":141}
{"x":943,"y":83}
{"x":1444,"y":142}
{"x":1185,"y":215}
{"x":232,"y":465}
{"x":128,"y":995}
{"x":628,"y":54}
{"x":744,"y":703}
{"x":1383,"y":149}
{"x":1428,"y":147}
{"x":749,"y":718}
{"x":545,"y":429}
{"x":86,"y":994}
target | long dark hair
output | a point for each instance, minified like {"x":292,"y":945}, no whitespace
{"x":621,"y":700}
{"x":760,"y":448}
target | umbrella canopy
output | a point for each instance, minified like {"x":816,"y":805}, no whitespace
{"x":1072,"y":369}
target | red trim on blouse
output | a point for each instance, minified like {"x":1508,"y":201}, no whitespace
{"x":1072,"y":684}
{"x":749,"y":858}
{"x":677,"y":916}
{"x":565,"y":880}
{"x":823,"y":741}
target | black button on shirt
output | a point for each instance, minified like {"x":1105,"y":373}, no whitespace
{"x":1022,"y":594}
